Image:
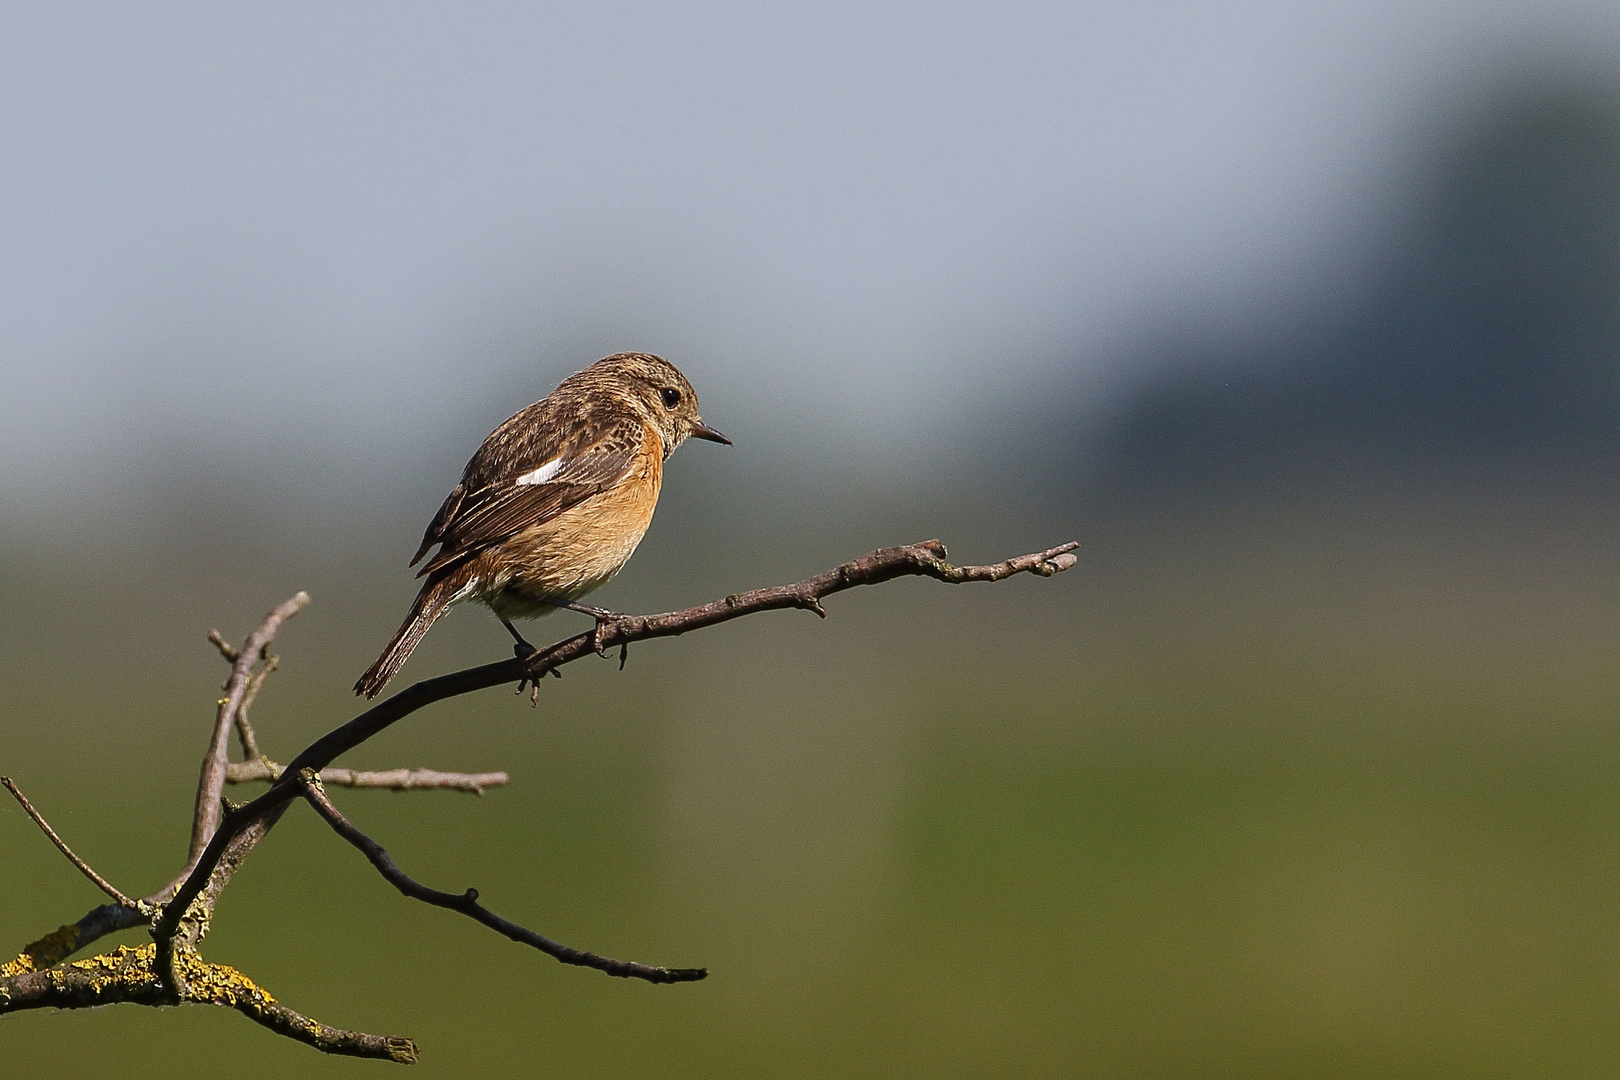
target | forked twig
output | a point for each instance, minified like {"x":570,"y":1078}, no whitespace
{"x":211,"y":781}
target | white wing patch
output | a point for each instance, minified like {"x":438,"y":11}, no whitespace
{"x":540,"y":475}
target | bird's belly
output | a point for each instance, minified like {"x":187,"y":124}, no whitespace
{"x":577,"y":551}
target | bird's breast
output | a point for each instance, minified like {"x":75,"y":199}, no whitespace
{"x":581,"y":548}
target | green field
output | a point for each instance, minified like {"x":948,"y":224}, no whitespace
{"x":1296,"y":792}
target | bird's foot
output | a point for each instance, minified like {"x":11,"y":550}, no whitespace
{"x":523,"y":650}
{"x":605,"y":622}
{"x":532,"y":682}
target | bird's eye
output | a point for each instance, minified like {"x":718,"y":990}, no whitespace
{"x":672,"y":397}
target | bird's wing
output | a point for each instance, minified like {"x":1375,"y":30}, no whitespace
{"x":436,"y":527}
{"x":535,"y":484}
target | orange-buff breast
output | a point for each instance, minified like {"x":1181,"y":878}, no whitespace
{"x":578,"y":550}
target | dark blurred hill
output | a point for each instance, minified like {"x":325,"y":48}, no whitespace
{"x":1486,"y":347}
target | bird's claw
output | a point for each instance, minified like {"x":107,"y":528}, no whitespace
{"x":531,"y":680}
{"x":604,"y":623}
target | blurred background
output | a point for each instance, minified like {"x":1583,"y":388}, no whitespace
{"x":1304,"y":319}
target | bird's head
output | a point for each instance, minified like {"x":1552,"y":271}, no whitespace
{"x":656,"y":389}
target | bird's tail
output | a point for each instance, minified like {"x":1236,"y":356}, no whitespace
{"x":434,"y":600}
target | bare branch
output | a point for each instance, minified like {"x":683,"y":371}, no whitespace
{"x":926,"y":559}
{"x":84,"y":868}
{"x":329,"y":1040}
{"x":467,"y":902}
{"x":391,"y":779}
{"x":170,"y":971}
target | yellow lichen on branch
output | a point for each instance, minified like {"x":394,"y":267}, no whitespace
{"x":130,"y":974}
{"x":50,"y":949}
{"x":220,"y":984}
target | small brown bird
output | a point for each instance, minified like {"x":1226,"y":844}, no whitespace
{"x":554,"y":501}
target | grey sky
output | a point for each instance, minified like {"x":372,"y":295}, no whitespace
{"x":323,"y":230}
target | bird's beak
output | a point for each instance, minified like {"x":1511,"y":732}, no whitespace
{"x":704,"y":431}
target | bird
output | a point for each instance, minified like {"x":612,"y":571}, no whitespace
{"x":554,"y":501}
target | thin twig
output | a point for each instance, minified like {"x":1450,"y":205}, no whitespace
{"x":244,"y":729}
{"x":245,"y":772}
{"x":467,"y":902}
{"x":926,"y":559}
{"x":84,"y":868}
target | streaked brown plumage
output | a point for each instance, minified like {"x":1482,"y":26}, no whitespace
{"x":555,"y":500}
